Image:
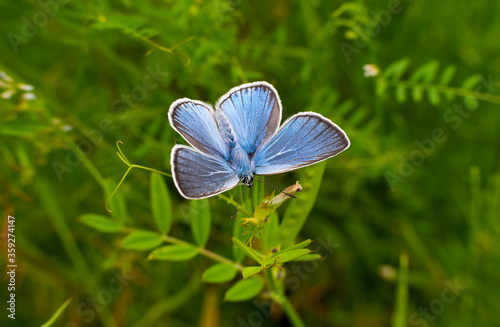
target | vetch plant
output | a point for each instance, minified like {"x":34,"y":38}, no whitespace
{"x":262,"y":246}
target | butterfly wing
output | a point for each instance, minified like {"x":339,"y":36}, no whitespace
{"x":304,"y":139}
{"x":198,"y":176}
{"x":195,"y":121}
{"x":253,"y":111}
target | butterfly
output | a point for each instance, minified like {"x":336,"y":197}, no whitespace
{"x":242,"y":138}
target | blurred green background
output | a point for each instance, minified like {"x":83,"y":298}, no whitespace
{"x":421,"y":180}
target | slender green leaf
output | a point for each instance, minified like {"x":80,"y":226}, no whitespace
{"x":177,"y":252}
{"x":200,"y":219}
{"x":300,"y":245}
{"x":283,"y":257}
{"x":250,"y":271}
{"x":433,"y":96}
{"x":161,"y":204}
{"x":308,"y":257}
{"x":219,"y":273}
{"x":247,"y":250}
{"x":56,"y":314}
{"x":270,"y":228}
{"x":244,"y":290}
{"x":417,"y":93}
{"x":401,"y":93}
{"x":425,"y":73}
{"x":471,"y":103}
{"x":470,"y":82}
{"x":381,"y":87}
{"x":101,"y":223}
{"x":396,"y":69}
{"x":142,"y":240}
{"x":447,"y":75}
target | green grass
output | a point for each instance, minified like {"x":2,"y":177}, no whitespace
{"x":394,"y":235}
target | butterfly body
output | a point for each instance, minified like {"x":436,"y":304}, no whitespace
{"x":242,"y":138}
{"x":242,"y":165}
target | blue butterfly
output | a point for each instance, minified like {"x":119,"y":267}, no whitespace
{"x":242,"y":138}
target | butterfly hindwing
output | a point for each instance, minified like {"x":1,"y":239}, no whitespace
{"x":253,"y":111}
{"x":195,"y":121}
{"x":304,"y":139}
{"x":198,"y":176}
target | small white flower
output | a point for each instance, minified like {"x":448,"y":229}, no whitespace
{"x":26,"y":87}
{"x":371,"y":70}
{"x":7,"y":94}
{"x":29,"y":96}
{"x":67,"y":128}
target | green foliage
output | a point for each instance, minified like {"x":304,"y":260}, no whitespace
{"x":219,"y":273}
{"x":427,"y":79}
{"x":244,"y":290}
{"x":142,"y":240}
{"x":200,"y":220}
{"x":101,"y":223}
{"x":176,"y":252}
{"x":161,"y":204}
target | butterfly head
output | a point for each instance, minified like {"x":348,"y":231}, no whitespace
{"x":247,"y":180}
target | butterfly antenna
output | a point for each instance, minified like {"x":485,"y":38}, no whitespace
{"x":277,"y":189}
{"x":239,"y":200}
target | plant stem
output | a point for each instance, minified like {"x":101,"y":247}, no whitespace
{"x":277,"y":296}
{"x":207,"y":253}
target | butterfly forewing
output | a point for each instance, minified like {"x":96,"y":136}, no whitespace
{"x":254,"y":113}
{"x":195,"y":121}
{"x":304,"y":139}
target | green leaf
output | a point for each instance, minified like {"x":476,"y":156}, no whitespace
{"x":219,"y":273}
{"x":250,"y":271}
{"x":381,"y":87}
{"x":101,"y":223}
{"x":161,"y":204}
{"x":270,"y":228}
{"x":447,"y":75}
{"x":396,"y":69}
{"x":471,"y":102}
{"x":308,"y":257}
{"x":417,"y":93}
{"x":247,"y":250}
{"x":244,"y":290}
{"x":56,"y":314}
{"x":433,"y":96}
{"x":286,"y":256}
{"x":401,"y":93}
{"x":425,"y":73}
{"x":300,"y":245}
{"x":142,"y":240}
{"x":200,"y":219}
{"x":470,"y":82}
{"x":177,"y":252}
